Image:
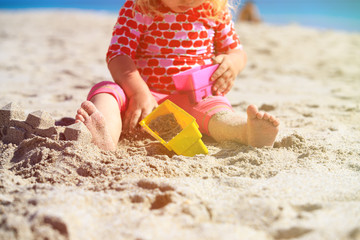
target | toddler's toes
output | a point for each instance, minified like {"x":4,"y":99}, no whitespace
{"x":81,"y":112}
{"x":274,"y":121}
{"x":89,"y":107}
{"x":252,"y":111}
{"x":79,"y":118}
{"x":259,"y":115}
{"x":266,"y":116}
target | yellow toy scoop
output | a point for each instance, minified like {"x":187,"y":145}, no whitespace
{"x":175,"y":129}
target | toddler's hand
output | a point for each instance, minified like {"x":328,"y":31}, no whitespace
{"x":225,"y":74}
{"x":140,"y":105}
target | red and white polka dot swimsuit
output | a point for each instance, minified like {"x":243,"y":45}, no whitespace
{"x":175,"y":42}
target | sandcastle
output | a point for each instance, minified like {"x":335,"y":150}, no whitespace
{"x":15,"y":126}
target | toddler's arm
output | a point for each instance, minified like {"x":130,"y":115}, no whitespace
{"x":141,"y":101}
{"x":230,"y":65}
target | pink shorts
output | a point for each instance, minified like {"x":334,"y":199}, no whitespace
{"x":201,"y":111}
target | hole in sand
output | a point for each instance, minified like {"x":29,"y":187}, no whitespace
{"x":161,"y":201}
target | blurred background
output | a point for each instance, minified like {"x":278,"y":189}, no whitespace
{"x":322,"y":14}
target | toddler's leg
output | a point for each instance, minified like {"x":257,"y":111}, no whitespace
{"x":257,"y":129}
{"x":101,"y":115}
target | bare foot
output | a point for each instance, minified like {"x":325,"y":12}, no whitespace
{"x":95,"y":122}
{"x":262,"y":128}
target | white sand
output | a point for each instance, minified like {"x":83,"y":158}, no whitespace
{"x":306,"y":187}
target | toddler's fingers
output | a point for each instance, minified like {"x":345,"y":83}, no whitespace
{"x":134,"y":119}
{"x":224,"y":81}
{"x":218,"y":59}
{"x":218,"y":73}
{"x":218,"y":84}
{"x":220,"y":70}
{"x":128,"y":118}
{"x":126,"y":122}
{"x":144,"y":114}
{"x":228,"y":88}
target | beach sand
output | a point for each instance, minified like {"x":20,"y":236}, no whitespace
{"x":306,"y":187}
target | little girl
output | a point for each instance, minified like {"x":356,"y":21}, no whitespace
{"x":155,"y":39}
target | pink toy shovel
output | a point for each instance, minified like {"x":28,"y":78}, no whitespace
{"x":195,"y":82}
